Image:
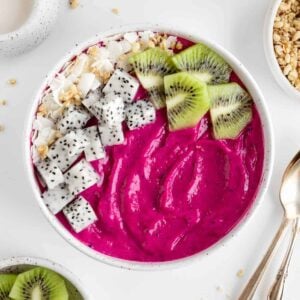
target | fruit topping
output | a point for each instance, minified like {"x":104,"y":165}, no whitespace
{"x":39,"y":283}
{"x":80,"y":177}
{"x":231,"y":110}
{"x":50,"y":172}
{"x":80,"y":214}
{"x":57,"y":198}
{"x":95,"y":148}
{"x":122,"y":84}
{"x":139,"y":113}
{"x":111,"y":135}
{"x":203,"y":63}
{"x":151,"y":66}
{"x":187,"y":100}
{"x":74,"y":117}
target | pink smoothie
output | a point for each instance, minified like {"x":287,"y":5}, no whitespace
{"x":167,"y":195}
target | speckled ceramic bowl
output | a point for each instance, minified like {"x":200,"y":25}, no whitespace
{"x":252,"y":87}
{"x":33,"y":31}
{"x":21,"y":264}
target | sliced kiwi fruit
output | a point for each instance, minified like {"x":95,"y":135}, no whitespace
{"x":203,"y":63}
{"x":6,"y":283}
{"x":72,"y":291}
{"x":231,"y":110}
{"x":150,"y":67}
{"x":187,"y":100}
{"x":39,"y":284}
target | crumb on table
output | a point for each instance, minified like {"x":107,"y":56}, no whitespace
{"x":12,"y":81}
{"x":3,"y":102}
{"x":74,"y":3}
{"x":2,"y":127}
{"x":240,"y":273}
{"x":115,"y":11}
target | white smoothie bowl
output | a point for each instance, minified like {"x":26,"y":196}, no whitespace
{"x":22,"y":264}
{"x":35,"y":29}
{"x":268,"y":154}
{"x":270,"y":53}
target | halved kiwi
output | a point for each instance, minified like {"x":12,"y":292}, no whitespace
{"x":6,"y":283}
{"x":231,"y":110}
{"x":187,"y":100}
{"x":151,"y":66}
{"x":204,"y":63}
{"x":39,"y":284}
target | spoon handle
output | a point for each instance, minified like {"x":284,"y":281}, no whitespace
{"x":252,"y":285}
{"x":276,"y":292}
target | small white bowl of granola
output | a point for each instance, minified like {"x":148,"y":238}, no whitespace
{"x":281,"y":44}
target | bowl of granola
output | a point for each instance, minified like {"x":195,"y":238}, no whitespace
{"x":282,"y":43}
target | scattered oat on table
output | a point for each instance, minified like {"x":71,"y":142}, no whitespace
{"x":12,"y":81}
{"x":115,"y":11}
{"x":74,"y":3}
{"x":3,"y":102}
{"x":240,"y":273}
{"x":286,"y":40}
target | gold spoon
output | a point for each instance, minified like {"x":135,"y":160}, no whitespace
{"x":276,"y":291}
{"x":290,"y":200}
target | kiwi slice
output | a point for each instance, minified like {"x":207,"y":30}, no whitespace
{"x":187,"y":100}
{"x":231,"y":110}
{"x":6,"y":283}
{"x":39,"y":284}
{"x":203,"y":63}
{"x":150,"y":67}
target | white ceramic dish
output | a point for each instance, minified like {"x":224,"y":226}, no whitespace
{"x":252,"y":87}
{"x":270,"y":54}
{"x":20,"y":264}
{"x":35,"y":29}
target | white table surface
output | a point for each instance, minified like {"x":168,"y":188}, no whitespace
{"x":24,"y":231}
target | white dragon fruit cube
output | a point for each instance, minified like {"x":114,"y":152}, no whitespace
{"x":80,"y":214}
{"x":59,"y":155}
{"x":139,"y":113}
{"x":95,"y":149}
{"x":74,"y":117}
{"x":81,"y":177}
{"x":111,"y":135}
{"x":109,"y":110}
{"x":67,"y":149}
{"x":122,"y":84}
{"x":50,"y":173}
{"x":92,"y":98}
{"x":57,"y":198}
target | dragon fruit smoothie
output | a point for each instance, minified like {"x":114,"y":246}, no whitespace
{"x":153,"y":194}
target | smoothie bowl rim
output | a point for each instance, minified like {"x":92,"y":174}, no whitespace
{"x":259,"y":101}
{"x":64,"y":272}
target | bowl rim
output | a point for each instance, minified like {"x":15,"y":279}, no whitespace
{"x":270,"y":53}
{"x":31,"y":22}
{"x":268,"y":144}
{"x":46,"y":263}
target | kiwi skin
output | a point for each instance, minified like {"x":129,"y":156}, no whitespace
{"x":231,"y":110}
{"x":150,"y":67}
{"x":6,"y":283}
{"x":41,"y":281}
{"x":203,"y":63}
{"x":187,"y":100}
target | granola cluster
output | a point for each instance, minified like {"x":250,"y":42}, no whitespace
{"x":286,"y":39}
